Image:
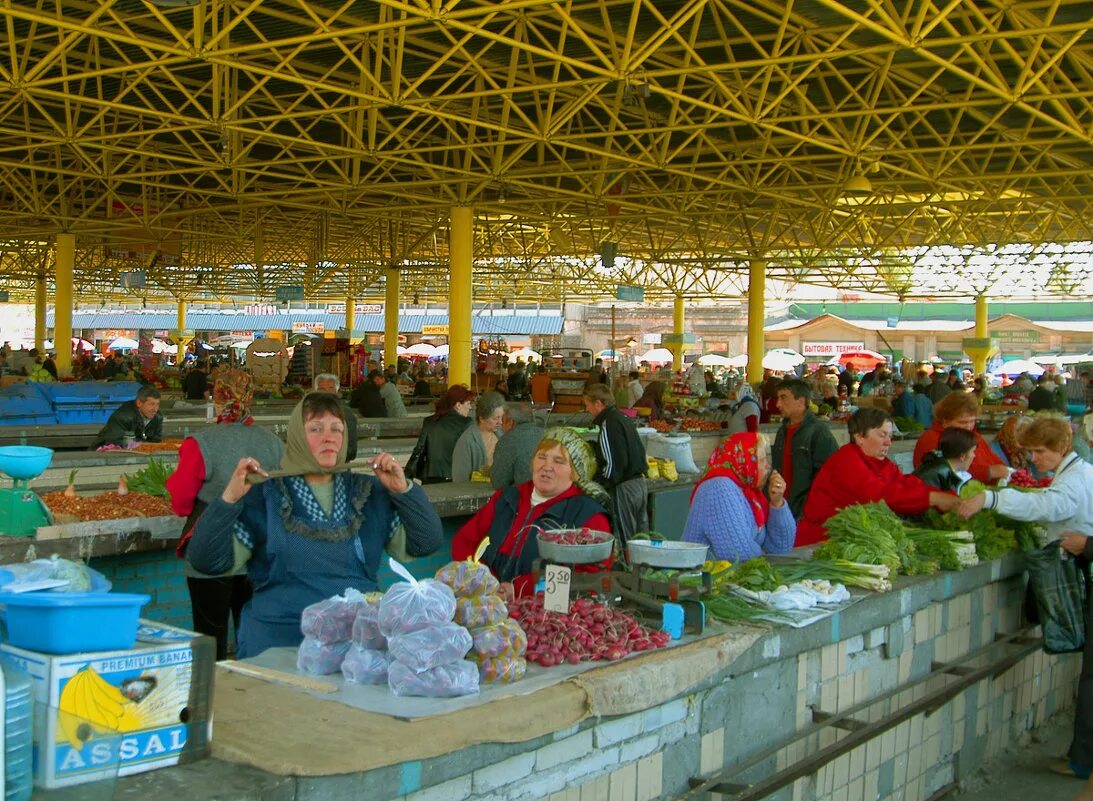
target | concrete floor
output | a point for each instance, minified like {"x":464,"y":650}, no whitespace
{"x":1022,"y":774}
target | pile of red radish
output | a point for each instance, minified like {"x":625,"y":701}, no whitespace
{"x":590,"y":632}
{"x":575,"y":536}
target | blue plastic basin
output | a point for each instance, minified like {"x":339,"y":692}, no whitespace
{"x":72,"y":622}
{"x":24,"y":461}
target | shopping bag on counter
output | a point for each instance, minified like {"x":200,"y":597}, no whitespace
{"x":411,"y":604}
{"x":425,"y":649}
{"x":1058,"y":585}
{"x":331,"y":620}
{"x":676,"y":447}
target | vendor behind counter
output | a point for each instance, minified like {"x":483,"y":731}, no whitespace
{"x":138,"y":420}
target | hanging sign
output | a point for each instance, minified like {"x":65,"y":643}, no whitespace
{"x":303,"y":327}
{"x":434,"y":330}
{"x":630,"y":293}
{"x":283,"y":293}
{"x":358,"y":308}
{"x":261,"y":309}
{"x":3,"y":296}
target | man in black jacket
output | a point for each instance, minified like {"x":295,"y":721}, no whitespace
{"x":621,"y":462}
{"x":366,"y":398}
{"x":802,"y":444}
{"x":137,"y":419}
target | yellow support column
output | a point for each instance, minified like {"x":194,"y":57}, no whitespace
{"x":979,"y":360}
{"x":65,"y":261}
{"x":40,"y":313}
{"x":180,"y":317}
{"x":350,"y":316}
{"x":677,"y":329}
{"x":390,"y":316}
{"x":757,"y":287}
{"x":460,"y":296}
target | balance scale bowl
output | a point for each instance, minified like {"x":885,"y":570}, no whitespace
{"x":23,"y":462}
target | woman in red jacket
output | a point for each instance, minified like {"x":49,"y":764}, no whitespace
{"x":561,"y":494}
{"x":960,"y":409}
{"x":861,"y":472}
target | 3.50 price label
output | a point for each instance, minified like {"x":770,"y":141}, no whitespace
{"x":556,"y":593}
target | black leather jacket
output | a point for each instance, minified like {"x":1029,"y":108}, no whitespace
{"x":431,"y":460}
{"x":127,"y":421}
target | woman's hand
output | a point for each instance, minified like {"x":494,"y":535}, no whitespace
{"x":943,"y":501}
{"x":998,"y":471}
{"x":507,"y":592}
{"x":237,"y":485}
{"x":970,"y":506}
{"x":776,"y":489}
{"x":1074,"y":543}
{"x":390,"y":473}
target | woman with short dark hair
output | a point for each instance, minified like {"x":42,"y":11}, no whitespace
{"x":861,"y":472}
{"x":946,"y":468}
{"x":431,"y":459}
{"x":961,"y":410}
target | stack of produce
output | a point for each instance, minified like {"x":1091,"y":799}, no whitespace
{"x":426,"y":647}
{"x":873,"y":534}
{"x":499,"y":642}
{"x":327,"y":627}
{"x":367,"y":659}
{"x":590,"y":632}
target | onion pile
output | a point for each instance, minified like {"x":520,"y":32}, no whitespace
{"x":590,"y":632}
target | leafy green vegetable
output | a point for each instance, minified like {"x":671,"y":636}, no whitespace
{"x":755,"y":575}
{"x":837,"y":571}
{"x":151,"y":480}
{"x":908,"y":425}
{"x":992,"y":539}
{"x":972,"y":488}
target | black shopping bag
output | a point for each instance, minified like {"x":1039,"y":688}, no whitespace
{"x":1057,"y":582}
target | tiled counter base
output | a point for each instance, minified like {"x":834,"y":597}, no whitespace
{"x":763,"y":710}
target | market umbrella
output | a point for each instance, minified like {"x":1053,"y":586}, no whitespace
{"x":1018,"y":366}
{"x":782,"y":360}
{"x":122,"y":343}
{"x":441,"y":350}
{"x":400,"y":349}
{"x":607,"y":355}
{"x":715,"y":360}
{"x":860,"y":359}
{"x":657,"y":356}
{"x":421,"y":349}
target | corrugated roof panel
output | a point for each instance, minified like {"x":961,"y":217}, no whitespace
{"x":523,"y":324}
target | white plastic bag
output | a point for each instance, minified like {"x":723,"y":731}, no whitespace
{"x":366,"y":629}
{"x":445,"y":681}
{"x":676,"y":447}
{"x":365,"y":666}
{"x":320,"y":658}
{"x":427,"y":648}
{"x":411,"y":605}
{"x":331,"y":620}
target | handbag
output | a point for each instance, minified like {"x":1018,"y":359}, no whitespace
{"x":1058,"y":585}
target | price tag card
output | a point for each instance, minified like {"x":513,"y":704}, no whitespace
{"x":556,"y":594}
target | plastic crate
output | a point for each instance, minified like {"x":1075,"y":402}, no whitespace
{"x":72,"y":622}
{"x":25,"y":405}
{"x":88,"y":403}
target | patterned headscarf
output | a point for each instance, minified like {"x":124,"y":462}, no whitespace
{"x":232,"y":395}
{"x":738,"y":460}
{"x":1007,"y":441}
{"x":744,"y":393}
{"x":583,"y":458}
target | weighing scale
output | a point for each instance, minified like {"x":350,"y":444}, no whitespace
{"x":21,"y":510}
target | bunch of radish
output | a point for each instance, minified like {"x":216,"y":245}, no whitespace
{"x":590,"y":632}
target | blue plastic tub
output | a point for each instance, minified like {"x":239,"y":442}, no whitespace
{"x":72,"y":622}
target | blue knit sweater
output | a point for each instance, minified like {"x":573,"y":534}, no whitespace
{"x":721,"y":517}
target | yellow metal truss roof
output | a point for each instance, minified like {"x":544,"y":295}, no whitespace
{"x":251,"y":143}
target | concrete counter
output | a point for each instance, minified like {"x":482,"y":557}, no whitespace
{"x":936,"y":676}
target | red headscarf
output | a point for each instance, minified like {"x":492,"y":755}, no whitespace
{"x":738,"y":459}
